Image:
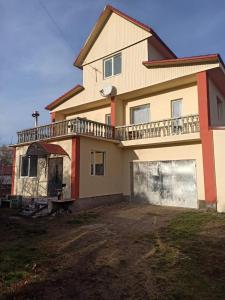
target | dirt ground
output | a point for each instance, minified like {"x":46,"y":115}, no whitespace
{"x":123,"y":251}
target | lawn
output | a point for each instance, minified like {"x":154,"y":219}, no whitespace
{"x":121,"y":251}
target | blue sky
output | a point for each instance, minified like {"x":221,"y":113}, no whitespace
{"x":36,"y":64}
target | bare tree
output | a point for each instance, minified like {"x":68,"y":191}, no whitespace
{"x":6,"y":155}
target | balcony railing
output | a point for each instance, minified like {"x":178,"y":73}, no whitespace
{"x":168,"y":127}
{"x":78,"y":126}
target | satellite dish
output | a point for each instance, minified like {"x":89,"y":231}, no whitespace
{"x":106,"y":91}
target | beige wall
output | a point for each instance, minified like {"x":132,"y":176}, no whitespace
{"x":219,"y":155}
{"x":115,"y":35}
{"x":160,"y":104}
{"x":97,"y":114}
{"x":111,"y":182}
{"x":134,"y":76}
{"x":213,"y":94}
{"x":164,"y":153}
{"x":33,"y":187}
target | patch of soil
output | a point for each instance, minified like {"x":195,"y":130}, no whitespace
{"x":123,"y":251}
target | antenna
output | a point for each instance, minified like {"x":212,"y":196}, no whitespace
{"x":35,"y":115}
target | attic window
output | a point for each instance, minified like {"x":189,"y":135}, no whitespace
{"x":112,"y":65}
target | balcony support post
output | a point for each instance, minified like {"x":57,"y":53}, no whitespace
{"x":13,"y":172}
{"x":207,"y":139}
{"x":75,"y":168}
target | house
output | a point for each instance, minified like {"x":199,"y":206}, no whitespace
{"x":145,"y":125}
{"x":5,"y":170}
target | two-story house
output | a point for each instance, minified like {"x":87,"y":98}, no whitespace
{"x":144,"y":125}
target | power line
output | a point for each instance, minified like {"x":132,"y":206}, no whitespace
{"x":56,"y":25}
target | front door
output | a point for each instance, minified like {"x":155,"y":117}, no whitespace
{"x":55,"y":176}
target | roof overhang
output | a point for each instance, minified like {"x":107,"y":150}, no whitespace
{"x":211,"y":58}
{"x":44,"y":149}
{"x":103,"y":18}
{"x":74,"y":91}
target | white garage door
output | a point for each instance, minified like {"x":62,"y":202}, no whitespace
{"x":171,"y":183}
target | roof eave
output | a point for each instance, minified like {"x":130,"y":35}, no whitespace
{"x":181,"y":61}
{"x":74,"y":91}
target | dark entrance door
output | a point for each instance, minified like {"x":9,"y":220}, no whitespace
{"x":55,"y":176}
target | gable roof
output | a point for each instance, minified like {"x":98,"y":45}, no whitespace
{"x":74,"y":91}
{"x":103,"y":18}
{"x":184,"y":61}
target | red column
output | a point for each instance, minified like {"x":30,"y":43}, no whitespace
{"x":113,"y":111}
{"x":206,"y":138}
{"x":52,"y":117}
{"x":75,"y":168}
{"x":13,"y":172}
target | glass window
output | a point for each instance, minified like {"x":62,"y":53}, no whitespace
{"x":140,"y":114}
{"x":108,"y":68}
{"x":176,"y":108}
{"x":97,"y":163}
{"x":24,"y":165}
{"x":108,"y":119}
{"x":112,"y":65}
{"x":219,"y":108}
{"x":29,"y":166}
{"x":117,"y":64}
{"x":33,"y":166}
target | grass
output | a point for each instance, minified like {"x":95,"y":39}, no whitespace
{"x":186,"y":260}
{"x":21,"y":254}
{"x":84,"y":218}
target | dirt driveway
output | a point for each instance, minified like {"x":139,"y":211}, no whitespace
{"x":122,"y":251}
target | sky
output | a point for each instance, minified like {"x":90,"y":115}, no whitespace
{"x":38,"y":47}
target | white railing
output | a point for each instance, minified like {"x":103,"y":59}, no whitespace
{"x":168,"y":127}
{"x":81,"y":126}
{"x":77,"y":126}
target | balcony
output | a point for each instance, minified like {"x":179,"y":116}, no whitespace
{"x":162,"y":128}
{"x":79,"y":126}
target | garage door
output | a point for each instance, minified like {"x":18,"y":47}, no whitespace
{"x":171,"y":183}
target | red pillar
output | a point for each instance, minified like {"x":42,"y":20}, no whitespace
{"x":13,"y":172}
{"x":52,"y":116}
{"x":75,"y":168}
{"x":113,"y":111}
{"x":206,"y":138}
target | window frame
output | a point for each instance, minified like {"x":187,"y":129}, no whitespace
{"x":107,"y":116}
{"x":171,"y":108}
{"x":94,"y":163}
{"x":137,"y":106}
{"x":28,"y":167}
{"x":112,"y":59}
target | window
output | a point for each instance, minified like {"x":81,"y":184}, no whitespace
{"x":108,"y":119}
{"x":140,"y":114}
{"x":176,"y":111}
{"x":98,"y":163}
{"x":28,"y":166}
{"x":219,"y":109}
{"x":112,"y":65}
{"x":176,"y":107}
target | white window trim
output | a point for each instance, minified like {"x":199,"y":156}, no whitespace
{"x":174,"y":100}
{"x":135,"y":107}
{"x":21,"y":156}
{"x":94,"y":151}
{"x":111,"y":58}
